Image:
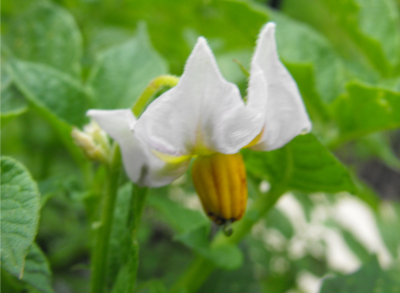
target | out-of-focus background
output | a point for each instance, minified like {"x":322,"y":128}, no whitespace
{"x":337,"y":229}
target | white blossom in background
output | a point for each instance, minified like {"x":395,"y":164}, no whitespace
{"x":349,"y":213}
{"x":358,"y":218}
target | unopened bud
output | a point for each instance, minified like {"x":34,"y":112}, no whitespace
{"x":93,"y":141}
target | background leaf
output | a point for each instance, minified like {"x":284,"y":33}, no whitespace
{"x":228,"y":25}
{"x":47,"y":34}
{"x":12,"y":102}
{"x":225,"y":256}
{"x":51,"y":90}
{"x":123,"y":72}
{"x":304,"y":164}
{"x":365,"y":109}
{"x":20,"y":205}
{"x":179,"y":217}
{"x":369,"y":278}
{"x":37,"y":271}
{"x":300,"y":44}
{"x":351,"y":27}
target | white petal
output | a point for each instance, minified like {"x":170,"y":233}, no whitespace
{"x":204,"y":111}
{"x":273,"y":89}
{"x":141,"y":165}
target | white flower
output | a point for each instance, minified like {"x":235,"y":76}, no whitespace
{"x":205,"y":114}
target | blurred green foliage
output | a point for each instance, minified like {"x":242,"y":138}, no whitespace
{"x":61,"y":58}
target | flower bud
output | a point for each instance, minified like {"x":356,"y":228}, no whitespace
{"x":93,"y":141}
{"x":220,"y":182}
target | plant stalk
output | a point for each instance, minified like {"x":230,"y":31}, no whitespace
{"x":100,"y":251}
{"x":137,"y":204}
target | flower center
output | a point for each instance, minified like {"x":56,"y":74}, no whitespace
{"x":220,"y":182}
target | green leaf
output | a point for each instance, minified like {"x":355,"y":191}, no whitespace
{"x":354,"y":29}
{"x":179,"y":217}
{"x":243,"y":279}
{"x":47,"y":34}
{"x":51,"y":90}
{"x":102,"y":37}
{"x":378,"y":145}
{"x":123,"y":72}
{"x":304,"y":74}
{"x":12,"y":102}
{"x":231,"y":28}
{"x":228,"y":25}
{"x":226,"y":256}
{"x":60,"y":99}
{"x":20,"y":206}
{"x":364,"y":110}
{"x":365,"y":193}
{"x":368,"y":279}
{"x":37,"y":271}
{"x":304,"y":164}
{"x":37,"y":274}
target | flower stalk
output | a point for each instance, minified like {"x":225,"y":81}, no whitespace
{"x":138,"y":198}
{"x":154,"y":86}
{"x":100,"y":251}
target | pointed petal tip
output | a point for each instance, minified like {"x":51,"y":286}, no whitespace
{"x":201,"y":45}
{"x":271,"y":24}
{"x":201,"y":54}
{"x":269,"y":28}
{"x":201,"y":40}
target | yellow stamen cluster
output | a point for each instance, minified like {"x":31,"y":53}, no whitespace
{"x":220,"y":181}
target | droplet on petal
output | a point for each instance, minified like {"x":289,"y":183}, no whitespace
{"x":227,"y":228}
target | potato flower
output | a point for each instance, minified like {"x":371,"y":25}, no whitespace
{"x":204,"y":117}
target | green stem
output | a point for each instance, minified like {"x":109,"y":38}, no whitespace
{"x":154,"y":86}
{"x":100,"y":251}
{"x":201,"y":268}
{"x":137,"y":205}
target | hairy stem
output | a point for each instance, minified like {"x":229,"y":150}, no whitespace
{"x":100,"y":250}
{"x":138,"y":199}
